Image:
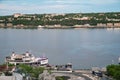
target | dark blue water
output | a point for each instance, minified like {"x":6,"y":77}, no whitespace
{"x":84,"y":48}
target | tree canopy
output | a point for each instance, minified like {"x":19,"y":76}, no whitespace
{"x":114,"y":71}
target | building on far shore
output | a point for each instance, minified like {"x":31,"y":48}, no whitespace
{"x":117,"y":24}
{"x":101,"y":25}
{"x":17,"y":15}
{"x":2,"y":24}
{"x":110,"y":25}
{"x":9,"y":24}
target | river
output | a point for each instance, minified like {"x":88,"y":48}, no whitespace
{"x":84,"y":48}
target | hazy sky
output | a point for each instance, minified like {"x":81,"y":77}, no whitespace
{"x":8,"y":7}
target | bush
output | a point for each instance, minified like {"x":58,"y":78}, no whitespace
{"x":62,"y":78}
{"x":32,"y":71}
{"x":114,"y":71}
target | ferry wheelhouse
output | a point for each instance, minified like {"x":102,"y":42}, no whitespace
{"x":26,"y":58}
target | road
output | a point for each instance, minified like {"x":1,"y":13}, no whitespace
{"x":81,"y":75}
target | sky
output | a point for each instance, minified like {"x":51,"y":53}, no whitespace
{"x":9,"y":7}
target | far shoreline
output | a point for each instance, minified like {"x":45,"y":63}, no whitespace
{"x":62,"y":27}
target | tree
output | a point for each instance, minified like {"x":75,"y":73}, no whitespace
{"x":32,"y":71}
{"x":36,"y":71}
{"x":114,"y":71}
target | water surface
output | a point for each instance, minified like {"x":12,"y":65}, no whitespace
{"x":84,"y":48}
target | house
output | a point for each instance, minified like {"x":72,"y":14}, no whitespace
{"x":9,"y":24}
{"x":14,"y":76}
{"x":110,"y":25}
{"x":101,"y":24}
{"x":2,"y":24}
{"x":117,"y":24}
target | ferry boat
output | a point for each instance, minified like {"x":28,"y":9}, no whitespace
{"x":26,"y":58}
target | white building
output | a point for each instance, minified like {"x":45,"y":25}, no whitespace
{"x":17,"y":15}
{"x":117,"y":24}
{"x":119,"y":60}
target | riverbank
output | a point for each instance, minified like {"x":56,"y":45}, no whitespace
{"x":75,"y":27}
{"x":61,"y":21}
{"x":57,"y":27}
